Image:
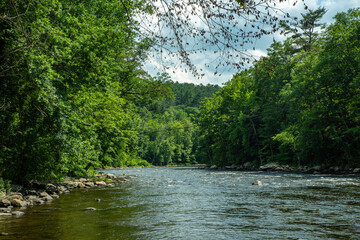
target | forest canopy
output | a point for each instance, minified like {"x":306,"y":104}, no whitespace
{"x":74,"y":96}
{"x":297,"y":106}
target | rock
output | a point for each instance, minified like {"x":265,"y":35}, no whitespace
{"x":71,"y":185}
{"x":232,"y":167}
{"x":316,"y":168}
{"x":5,"y":210}
{"x":81,"y":185}
{"x":83,"y":180}
{"x":34,"y":199}
{"x":4,"y":202}
{"x":90,"y":209}
{"x":18,"y":203}
{"x":17,"y":213}
{"x":54,"y":195}
{"x":4,"y":234}
{"x":61,"y":189}
{"x":247,"y":165}
{"x":257,"y":182}
{"x":45,"y":196}
{"x":98,"y":199}
{"x":214,"y":167}
{"x":16,"y":195}
{"x":51,"y":188}
{"x":5,"y":214}
{"x":100,"y":183}
{"x":356,"y":170}
{"x":89,"y":184}
{"x":271,"y":167}
{"x":109,"y":175}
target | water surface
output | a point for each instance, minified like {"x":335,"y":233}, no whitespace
{"x":188,"y":203}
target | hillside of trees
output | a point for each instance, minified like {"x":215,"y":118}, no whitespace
{"x":300,"y":105}
{"x":169,"y":132}
{"x":74,"y":96}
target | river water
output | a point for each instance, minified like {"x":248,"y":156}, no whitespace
{"x":188,"y":203}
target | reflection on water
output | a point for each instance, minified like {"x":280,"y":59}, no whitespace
{"x":187,"y":203}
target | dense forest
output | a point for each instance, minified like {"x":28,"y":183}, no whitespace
{"x":74,"y":96}
{"x":300,"y":105}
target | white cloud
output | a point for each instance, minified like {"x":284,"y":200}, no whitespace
{"x":200,"y":59}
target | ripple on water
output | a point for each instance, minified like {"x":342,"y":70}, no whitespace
{"x":187,"y":203}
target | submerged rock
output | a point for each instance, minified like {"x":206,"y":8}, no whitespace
{"x":257,"y":182}
{"x":5,"y":210}
{"x":90,"y":209}
{"x":17,"y":213}
{"x":5,"y":214}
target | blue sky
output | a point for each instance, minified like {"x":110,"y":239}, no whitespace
{"x":179,"y":74}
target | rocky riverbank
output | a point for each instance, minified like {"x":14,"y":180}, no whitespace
{"x":35,"y":193}
{"x":275,"y":167}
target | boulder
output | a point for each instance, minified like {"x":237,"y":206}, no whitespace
{"x":90,"y":209}
{"x":316,"y":168}
{"x":110,"y":176}
{"x":51,"y":188}
{"x":61,"y":189}
{"x":34,"y":199}
{"x":214,"y":167}
{"x":89,"y":184}
{"x":257,"y":183}
{"x":45,"y":196}
{"x":232,"y":167}
{"x":271,"y":167}
{"x":81,"y":185}
{"x":83,"y":180}
{"x":4,"y":202}
{"x":100,"y":183}
{"x":54,"y":195}
{"x":17,"y":213}
{"x":18,"y":203}
{"x":356,"y":170}
{"x":71,"y":185}
{"x":16,"y":195}
{"x":247,"y":165}
{"x":5,"y":210}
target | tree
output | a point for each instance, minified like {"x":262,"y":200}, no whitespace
{"x":305,"y":32}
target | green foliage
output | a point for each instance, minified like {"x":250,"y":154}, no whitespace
{"x":5,"y":185}
{"x":70,"y":79}
{"x":298,"y":106}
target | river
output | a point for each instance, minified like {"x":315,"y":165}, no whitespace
{"x":188,"y":203}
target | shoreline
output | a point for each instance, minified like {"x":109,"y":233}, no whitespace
{"x":275,"y":167}
{"x":35,"y":193}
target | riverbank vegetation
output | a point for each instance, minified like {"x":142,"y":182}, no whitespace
{"x":299,"y":105}
{"x":74,"y":96}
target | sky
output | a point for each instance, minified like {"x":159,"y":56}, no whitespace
{"x":257,"y":49}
